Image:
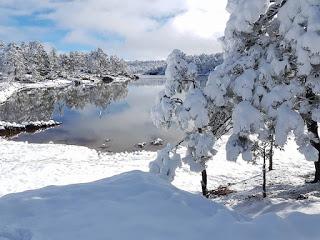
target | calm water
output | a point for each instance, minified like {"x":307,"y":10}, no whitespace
{"x":92,"y":114}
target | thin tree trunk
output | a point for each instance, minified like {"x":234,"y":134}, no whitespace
{"x":204,"y":177}
{"x":312,"y":127}
{"x":264,"y":189}
{"x":271,"y":155}
{"x":204,"y":183}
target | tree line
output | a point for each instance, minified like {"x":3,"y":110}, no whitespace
{"x":31,"y":62}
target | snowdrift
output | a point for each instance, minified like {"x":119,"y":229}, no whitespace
{"x":136,"y":205}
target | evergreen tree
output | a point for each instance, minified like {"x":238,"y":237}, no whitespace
{"x":270,"y":73}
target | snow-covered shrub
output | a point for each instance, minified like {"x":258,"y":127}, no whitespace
{"x":166,"y":163}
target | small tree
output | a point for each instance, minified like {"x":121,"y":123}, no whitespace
{"x":183,"y":103}
{"x":264,"y":151}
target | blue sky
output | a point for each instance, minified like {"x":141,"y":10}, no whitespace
{"x":140,"y":29}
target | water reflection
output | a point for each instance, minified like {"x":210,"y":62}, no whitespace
{"x":40,"y":104}
{"x":92,"y":114}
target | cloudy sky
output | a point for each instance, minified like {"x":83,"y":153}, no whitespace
{"x":132,"y":29}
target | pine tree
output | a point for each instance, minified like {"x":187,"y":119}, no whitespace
{"x":14,"y":65}
{"x":270,"y":73}
{"x":54,"y":64}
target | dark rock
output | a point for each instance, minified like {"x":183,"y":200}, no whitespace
{"x":77,"y":82}
{"x":302,"y":197}
{"x":107,"y":79}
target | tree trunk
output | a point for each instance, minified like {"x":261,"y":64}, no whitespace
{"x":312,"y":127}
{"x":204,"y":183}
{"x":264,"y":189}
{"x":271,"y":155}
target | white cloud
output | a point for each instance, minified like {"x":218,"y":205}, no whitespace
{"x":139,"y":29}
{"x":204,"y":18}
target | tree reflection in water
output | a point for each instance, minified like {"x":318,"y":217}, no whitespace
{"x":92,"y":114}
{"x":39,"y":104}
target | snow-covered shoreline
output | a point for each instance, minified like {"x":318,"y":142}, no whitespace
{"x":8,"y":129}
{"x":7,"y":89}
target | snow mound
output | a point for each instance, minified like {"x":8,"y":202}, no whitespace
{"x":135,"y":205}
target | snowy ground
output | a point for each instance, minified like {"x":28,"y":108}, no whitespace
{"x":135,"y":205}
{"x":30,"y":166}
{"x":26,"y":166}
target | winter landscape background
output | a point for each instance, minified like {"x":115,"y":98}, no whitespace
{"x":108,"y":131}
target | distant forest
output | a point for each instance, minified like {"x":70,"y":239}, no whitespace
{"x":30,"y":62}
{"x":205,"y":64}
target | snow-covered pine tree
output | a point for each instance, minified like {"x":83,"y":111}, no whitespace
{"x":14,"y":64}
{"x":270,"y":73}
{"x":54,"y":64}
{"x":300,"y":28}
{"x":77,"y":63}
{"x":269,"y":78}
{"x":183,"y":103}
{"x":117,"y":66}
{"x":37,"y":61}
{"x":2,"y":59}
{"x":65,"y":65}
{"x":98,"y":62}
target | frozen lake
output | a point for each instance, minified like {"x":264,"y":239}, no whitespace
{"x":92,"y":114}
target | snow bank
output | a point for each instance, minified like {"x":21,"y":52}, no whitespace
{"x":13,"y":125}
{"x":136,"y":205}
{"x":25,"y":166}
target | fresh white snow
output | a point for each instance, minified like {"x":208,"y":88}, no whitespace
{"x":57,"y":164}
{"x":138,"y":205}
{"x":49,"y":123}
